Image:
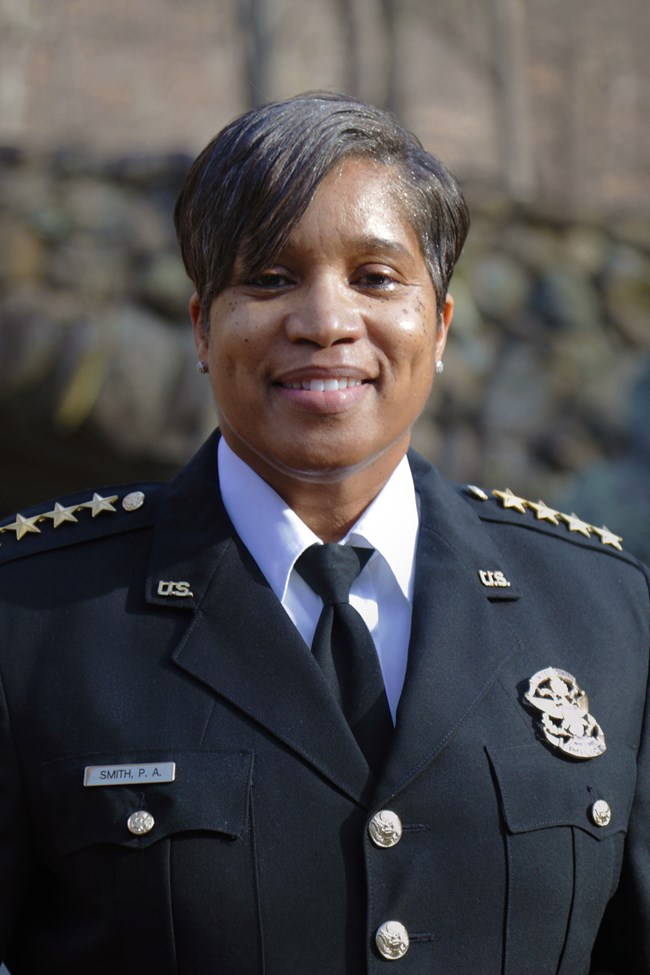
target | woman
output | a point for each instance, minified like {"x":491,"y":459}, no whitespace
{"x":210,"y":760}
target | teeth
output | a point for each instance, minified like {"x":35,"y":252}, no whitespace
{"x":321,"y":385}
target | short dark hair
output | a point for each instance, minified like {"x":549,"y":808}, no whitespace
{"x":252,"y":183}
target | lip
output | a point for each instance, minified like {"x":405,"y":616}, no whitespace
{"x":336,"y":399}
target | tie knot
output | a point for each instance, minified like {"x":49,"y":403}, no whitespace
{"x":331,"y":569}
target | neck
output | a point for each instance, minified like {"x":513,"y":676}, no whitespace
{"x":330,"y":510}
{"x":330,"y":505}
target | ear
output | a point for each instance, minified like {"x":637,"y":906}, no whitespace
{"x":444,"y":321}
{"x":201,"y":334}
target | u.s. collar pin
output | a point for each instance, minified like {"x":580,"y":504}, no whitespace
{"x":564,"y":713}
{"x":181,"y":590}
{"x":492,"y":579}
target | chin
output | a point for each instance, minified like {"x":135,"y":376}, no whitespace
{"x":328,"y":466}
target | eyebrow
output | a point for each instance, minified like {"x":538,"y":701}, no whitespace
{"x":371,"y":244}
{"x":384,"y":244}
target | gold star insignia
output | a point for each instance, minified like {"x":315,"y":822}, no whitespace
{"x":543,"y":512}
{"x":510,"y":500}
{"x":608,"y":538}
{"x":576,"y":524}
{"x":99,"y":504}
{"x":22,"y":526}
{"x":60,"y":514}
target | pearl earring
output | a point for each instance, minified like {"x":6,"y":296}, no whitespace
{"x":440,"y":367}
{"x":202,"y":367}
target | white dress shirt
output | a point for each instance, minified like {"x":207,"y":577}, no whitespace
{"x":383,"y":592}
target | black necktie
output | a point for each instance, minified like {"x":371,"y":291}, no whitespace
{"x":344,"y":647}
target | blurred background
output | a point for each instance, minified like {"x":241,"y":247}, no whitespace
{"x":539,"y":106}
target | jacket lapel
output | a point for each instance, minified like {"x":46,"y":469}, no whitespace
{"x":460,"y":633}
{"x":240,"y":642}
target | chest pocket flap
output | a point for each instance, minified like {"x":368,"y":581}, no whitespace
{"x":540,"y":789}
{"x":210,"y":792}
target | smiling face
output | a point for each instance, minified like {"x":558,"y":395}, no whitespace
{"x":321,"y":363}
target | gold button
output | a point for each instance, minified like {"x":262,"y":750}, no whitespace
{"x":601,"y":813}
{"x":477,"y":492}
{"x":385,"y":828}
{"x":392,"y":940}
{"x":140,"y":822}
{"x":133,"y":501}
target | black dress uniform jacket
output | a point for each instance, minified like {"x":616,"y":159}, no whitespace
{"x":148,"y":636}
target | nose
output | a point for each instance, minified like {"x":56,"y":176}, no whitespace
{"x":325,"y":312}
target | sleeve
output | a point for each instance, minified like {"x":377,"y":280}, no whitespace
{"x":623,"y":943}
{"x":14,"y":859}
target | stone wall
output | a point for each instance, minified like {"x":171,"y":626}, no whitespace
{"x":546,"y":386}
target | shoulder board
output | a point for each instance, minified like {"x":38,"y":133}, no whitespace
{"x":509,"y":507}
{"x":78,"y":518}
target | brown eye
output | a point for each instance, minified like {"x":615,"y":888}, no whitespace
{"x":377,"y":281}
{"x":269,"y":281}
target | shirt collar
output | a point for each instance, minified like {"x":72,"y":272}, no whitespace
{"x":390,"y":525}
{"x":275,"y":535}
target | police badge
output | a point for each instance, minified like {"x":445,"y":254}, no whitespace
{"x":565,"y":717}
